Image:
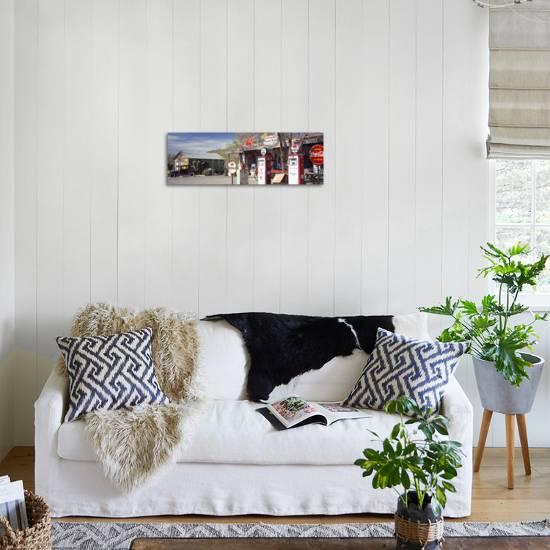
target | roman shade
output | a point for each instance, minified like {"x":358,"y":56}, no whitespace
{"x":519,"y":81}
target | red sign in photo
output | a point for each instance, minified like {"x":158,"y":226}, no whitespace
{"x":317,"y":155}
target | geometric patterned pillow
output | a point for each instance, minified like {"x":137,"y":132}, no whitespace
{"x":110,"y":372}
{"x":399,"y":366}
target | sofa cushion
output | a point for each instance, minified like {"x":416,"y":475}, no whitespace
{"x":233,"y":432}
{"x":401,"y":366}
{"x":110,"y":372}
{"x":223,"y":360}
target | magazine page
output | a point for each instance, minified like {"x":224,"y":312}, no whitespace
{"x":293,"y":410}
{"x":12,"y":504}
{"x":337,"y":411}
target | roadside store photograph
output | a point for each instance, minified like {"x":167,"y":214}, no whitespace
{"x":245,"y":158}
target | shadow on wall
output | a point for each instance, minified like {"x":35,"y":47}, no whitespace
{"x":7,"y":363}
{"x":31,"y":362}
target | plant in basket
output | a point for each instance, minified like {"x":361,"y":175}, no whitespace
{"x":419,"y":469}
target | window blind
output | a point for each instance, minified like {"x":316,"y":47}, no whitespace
{"x":519,"y":81}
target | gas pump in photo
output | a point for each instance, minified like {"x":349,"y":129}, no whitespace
{"x":264,"y":167}
{"x":242,"y":172}
{"x":295,"y":165}
{"x":232,"y":171}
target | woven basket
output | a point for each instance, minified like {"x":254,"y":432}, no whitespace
{"x":418,"y":532}
{"x":39,"y":534}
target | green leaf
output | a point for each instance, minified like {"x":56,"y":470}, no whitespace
{"x":371,"y":454}
{"x":448,"y":308}
{"x":449,"y":487}
{"x":405,"y":479}
{"x":449,"y":473}
{"x":396,"y":431}
{"x":489,"y":304}
{"x":468,"y":307}
{"x":441,"y":427}
{"x":441,"y":497}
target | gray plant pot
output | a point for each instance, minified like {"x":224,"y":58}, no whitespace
{"x":498,"y":395}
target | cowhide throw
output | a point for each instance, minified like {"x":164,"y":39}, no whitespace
{"x":283,"y":346}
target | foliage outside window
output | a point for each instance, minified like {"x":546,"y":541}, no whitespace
{"x":522,"y":208}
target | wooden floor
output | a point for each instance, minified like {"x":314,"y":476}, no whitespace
{"x":492,"y":501}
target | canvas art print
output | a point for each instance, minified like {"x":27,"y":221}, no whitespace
{"x":245,"y":158}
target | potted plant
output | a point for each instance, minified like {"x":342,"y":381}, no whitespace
{"x":507,"y":374}
{"x":420,"y":470}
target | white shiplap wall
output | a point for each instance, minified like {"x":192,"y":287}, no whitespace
{"x":398,"y":87}
{"x":7,"y":271}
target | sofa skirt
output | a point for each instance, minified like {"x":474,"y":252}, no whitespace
{"x":80,"y":488}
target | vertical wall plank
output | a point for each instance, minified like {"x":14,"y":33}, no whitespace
{"x":475,"y":108}
{"x":7,"y":223}
{"x":321,"y":209}
{"x":349,"y":151}
{"x":295,"y":117}
{"x":375,"y":158}
{"x":132,"y":147}
{"x":428,"y":160}
{"x":104,"y":151}
{"x":77,"y":181}
{"x":462,"y":24}
{"x":267,"y":110}
{"x":213,"y":199}
{"x":402,"y":181}
{"x":51,"y":159}
{"x":475,"y":169}
{"x":186,"y":118}
{"x":26,"y":173}
{"x":158,"y":246}
{"x":455,"y":132}
{"x":240,"y":118}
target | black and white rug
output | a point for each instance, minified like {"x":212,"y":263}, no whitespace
{"x":119,"y":536}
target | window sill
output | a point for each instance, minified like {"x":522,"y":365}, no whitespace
{"x":535,"y":302}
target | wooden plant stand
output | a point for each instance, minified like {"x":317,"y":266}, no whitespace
{"x":510,"y":443}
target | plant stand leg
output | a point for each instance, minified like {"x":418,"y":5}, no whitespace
{"x":510,"y":445}
{"x":485,"y":423}
{"x":522,"y":429}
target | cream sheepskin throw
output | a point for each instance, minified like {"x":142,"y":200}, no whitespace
{"x":132,"y":444}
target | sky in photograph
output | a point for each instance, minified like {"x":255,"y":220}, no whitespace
{"x":198,"y":142}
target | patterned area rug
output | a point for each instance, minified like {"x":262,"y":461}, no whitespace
{"x":118,"y":536}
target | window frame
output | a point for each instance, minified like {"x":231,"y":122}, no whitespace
{"x":537,"y":301}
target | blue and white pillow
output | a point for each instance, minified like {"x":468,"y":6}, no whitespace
{"x":399,"y":366}
{"x":110,"y":372}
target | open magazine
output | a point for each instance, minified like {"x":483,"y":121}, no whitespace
{"x":294,"y":411}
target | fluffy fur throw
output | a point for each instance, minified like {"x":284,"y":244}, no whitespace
{"x":283,"y":346}
{"x":133,"y":443}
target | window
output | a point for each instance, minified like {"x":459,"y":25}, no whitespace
{"x":522,"y":207}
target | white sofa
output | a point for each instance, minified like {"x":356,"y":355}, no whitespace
{"x":237,"y":463}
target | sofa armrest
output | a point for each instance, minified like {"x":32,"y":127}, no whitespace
{"x":52,"y":401}
{"x":49,"y":410}
{"x":456,"y":406}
